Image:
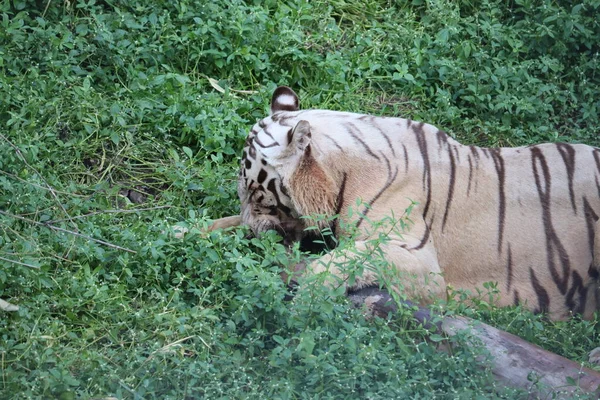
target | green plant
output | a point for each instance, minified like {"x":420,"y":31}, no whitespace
{"x":121,"y":119}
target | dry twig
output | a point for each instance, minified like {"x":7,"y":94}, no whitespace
{"x":19,"y":263}
{"x":56,"y":228}
{"x":50,"y":188}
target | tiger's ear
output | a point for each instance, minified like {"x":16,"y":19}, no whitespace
{"x":298,"y":140}
{"x":300,"y":136}
{"x":284,"y":99}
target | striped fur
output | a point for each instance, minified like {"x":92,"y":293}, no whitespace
{"x":526,"y":218}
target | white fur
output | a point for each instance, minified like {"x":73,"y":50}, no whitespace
{"x":286,"y":100}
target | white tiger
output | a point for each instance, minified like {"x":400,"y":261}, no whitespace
{"x":526,"y":217}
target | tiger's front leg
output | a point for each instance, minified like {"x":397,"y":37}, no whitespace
{"x":413,"y":272}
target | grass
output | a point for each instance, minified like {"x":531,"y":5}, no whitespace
{"x":113,"y":128}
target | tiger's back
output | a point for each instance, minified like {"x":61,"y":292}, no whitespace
{"x":525,"y":218}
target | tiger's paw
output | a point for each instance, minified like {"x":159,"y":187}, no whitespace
{"x":595,"y":356}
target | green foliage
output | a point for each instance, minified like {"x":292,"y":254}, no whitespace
{"x":120,"y":119}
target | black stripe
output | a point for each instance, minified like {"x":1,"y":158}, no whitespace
{"x":590,"y":221}
{"x":390,"y":179}
{"x":283,"y":118}
{"x":474,"y":152}
{"x":583,"y":291}
{"x":339,"y":202}
{"x":385,"y":136}
{"x":273,"y":189}
{"x":452,"y":179}
{"x":470,"y":174}
{"x":251,"y":149}
{"x":593,"y":272}
{"x":258,"y":142}
{"x":425,"y":238}
{"x":389,"y":142}
{"x":499,"y":165}
{"x":596,"y":154}
{"x":421,"y":141}
{"x":509,"y":268}
{"x":542,"y":294}
{"x":262,"y":175}
{"x":476,"y":158}
{"x":576,"y":306}
{"x":283,"y":190}
{"x":554,"y":247}
{"x":266,"y":132}
{"x":567,"y":152}
{"x":442,"y":139}
{"x":457,"y":153}
{"x":351,"y":130}
{"x":405,"y":158}
{"x":253,"y":191}
{"x":335,"y":143}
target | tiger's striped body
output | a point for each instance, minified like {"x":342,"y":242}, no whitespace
{"x":525,"y":217}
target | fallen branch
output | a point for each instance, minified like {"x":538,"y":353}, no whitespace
{"x":56,"y":228}
{"x":48,"y":187}
{"x":514,"y":359}
{"x":19,"y":263}
{"x":117,"y":211}
{"x":26,"y":182}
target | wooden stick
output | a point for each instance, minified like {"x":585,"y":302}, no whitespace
{"x":514,"y":359}
{"x":56,"y":228}
{"x":19,"y":263}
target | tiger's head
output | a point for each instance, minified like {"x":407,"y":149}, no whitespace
{"x":281,"y":179}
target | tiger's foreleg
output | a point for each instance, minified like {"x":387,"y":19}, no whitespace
{"x":393,"y":264}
